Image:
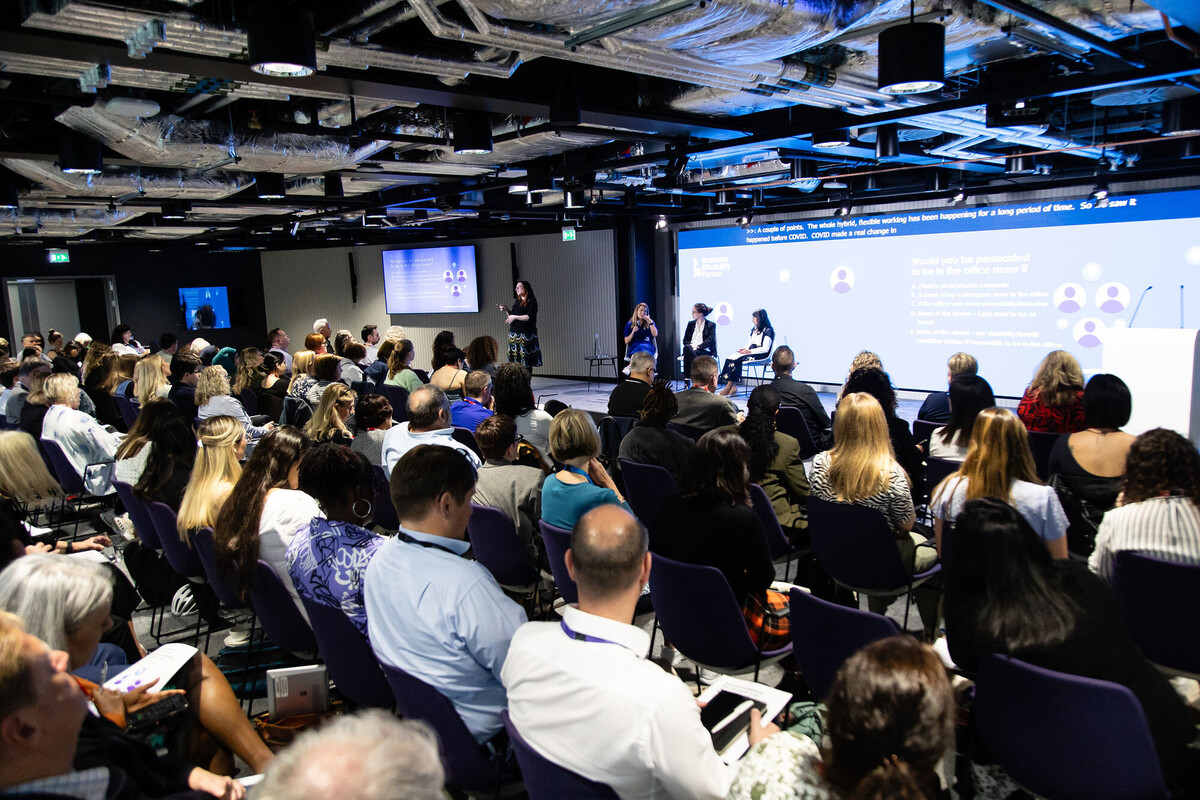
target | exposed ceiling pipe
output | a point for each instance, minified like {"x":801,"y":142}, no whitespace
{"x":377,"y":7}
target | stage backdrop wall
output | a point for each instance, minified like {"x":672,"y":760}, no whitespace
{"x":575,"y":284}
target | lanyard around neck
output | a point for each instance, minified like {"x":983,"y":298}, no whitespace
{"x":583,"y":637}
{"x":404,"y":537}
{"x":578,"y":471}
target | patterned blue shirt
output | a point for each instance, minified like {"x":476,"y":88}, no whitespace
{"x":328,"y":564}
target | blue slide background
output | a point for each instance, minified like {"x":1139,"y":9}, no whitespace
{"x":431,"y":280}
{"x":1005,"y":283}
{"x":215,"y":296}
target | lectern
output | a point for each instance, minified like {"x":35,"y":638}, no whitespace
{"x":1161,"y":367}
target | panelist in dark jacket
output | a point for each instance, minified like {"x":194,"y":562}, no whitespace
{"x":699,"y":337}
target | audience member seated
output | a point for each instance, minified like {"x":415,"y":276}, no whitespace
{"x":185,"y":374}
{"x":400,"y":372}
{"x":322,"y":328}
{"x":860,"y":470}
{"x":699,"y":405}
{"x":775,"y":463}
{"x":264,"y":510}
{"x":326,"y":370}
{"x":1157,"y":514}
{"x":1004,"y":594}
{"x":376,"y":372}
{"x":584,"y":483}
{"x":936,"y":407}
{"x":512,"y":393}
{"x":443,"y":340}
{"x":353,"y":353}
{"x":969,"y":394}
{"x":373,"y":416}
{"x":448,"y":373}
{"x":889,"y":722}
{"x":226,"y":359}
{"x":428,"y":423}
{"x":864,"y":360}
{"x":476,"y":404}
{"x":33,"y":414}
{"x":150,"y":380}
{"x":83,"y":439}
{"x":20,"y":392}
{"x":96,"y":351}
{"x":878,"y":384}
{"x":316,"y":344}
{"x":8,"y":377}
{"x":123,"y":343}
{"x":514,"y":489}
{"x":998,"y":464}
{"x":272,"y":381}
{"x":482,"y":353}
{"x":381,"y":757}
{"x":711,"y":522}
{"x":639,"y":731}
{"x":328,"y":423}
{"x":430,"y":612}
{"x":1099,"y":450}
{"x":157,"y":454}
{"x":340,"y":340}
{"x":801,"y":396}
{"x":650,"y":441}
{"x":126,"y":364}
{"x":214,"y":472}
{"x":278,"y":344}
{"x":327,"y":558}
{"x":67,"y":603}
{"x":626,"y":399}
{"x":168,"y":346}
{"x":213,"y":400}
{"x":302,"y":378}
{"x":249,"y":370}
{"x":370,"y":341}
{"x":1053,"y":402}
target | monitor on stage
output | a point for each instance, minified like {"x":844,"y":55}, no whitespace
{"x":431,"y":280}
{"x":204,"y":308}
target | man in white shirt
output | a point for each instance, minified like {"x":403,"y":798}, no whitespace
{"x":581,"y":692}
{"x":279,"y":345}
{"x":371,"y":337}
{"x":428,"y":423}
{"x":431,"y":612}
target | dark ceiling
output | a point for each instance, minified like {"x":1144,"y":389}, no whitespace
{"x":678,"y":109}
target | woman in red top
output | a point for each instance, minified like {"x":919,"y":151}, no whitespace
{"x":1053,"y":403}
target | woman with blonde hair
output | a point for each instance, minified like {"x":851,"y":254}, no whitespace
{"x":150,"y":380}
{"x":249,"y":360}
{"x":213,"y":399}
{"x":640,"y":332}
{"x":216,"y":470}
{"x":998,"y":464}
{"x":126,"y":364}
{"x":328,"y":423}
{"x":860,"y":469}
{"x":302,"y":379}
{"x":1053,"y":402}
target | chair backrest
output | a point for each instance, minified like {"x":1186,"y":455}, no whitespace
{"x":466,"y":766}
{"x":363,"y":388}
{"x":347,"y":653}
{"x":646,"y":486}
{"x":1040,"y":445}
{"x":464,"y":436}
{"x":825,"y":634}
{"x":855,"y":546}
{"x":923,"y":428}
{"x":545,"y":780}
{"x":271,"y":405}
{"x":304,"y":412}
{"x":224,"y":587}
{"x":398,"y":397}
{"x":277,"y":613}
{"x":790,"y":420}
{"x":142,"y":524}
{"x":612,"y":431}
{"x":182,"y":558}
{"x":249,"y":401}
{"x":291,"y":407}
{"x":937,"y":470}
{"x":557,"y":542}
{"x":127,"y":409}
{"x":1141,"y":582}
{"x":776,"y":539}
{"x":687,"y":430}
{"x":381,"y":504}
{"x":1065,"y":737}
{"x":698,"y":613}
{"x":496,"y":545}
{"x":64,"y":470}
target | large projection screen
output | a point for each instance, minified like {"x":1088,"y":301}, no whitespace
{"x":1005,"y":283}
{"x":430,"y":280}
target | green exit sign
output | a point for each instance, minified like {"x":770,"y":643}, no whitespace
{"x":568,"y":234}
{"x":59,"y":257}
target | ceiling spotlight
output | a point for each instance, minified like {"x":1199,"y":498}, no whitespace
{"x":843,"y":209}
{"x":829,"y":139}
{"x":958,"y":193}
{"x":887,"y":141}
{"x":333,"y":186}
{"x":745,"y":219}
{"x":912,"y":58}
{"x":282,"y":41}
{"x":472,"y":133}
{"x":1181,"y":117}
{"x":79,"y":155}
{"x":802,"y":170}
{"x":1099,"y":195}
{"x":660,"y":224}
{"x":269,"y":185}
{"x":175,"y":210}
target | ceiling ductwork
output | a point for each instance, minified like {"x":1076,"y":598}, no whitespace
{"x":169,"y":185}
{"x":78,"y":222}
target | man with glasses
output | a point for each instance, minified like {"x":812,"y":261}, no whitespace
{"x":185,"y":373}
{"x":626,"y":399}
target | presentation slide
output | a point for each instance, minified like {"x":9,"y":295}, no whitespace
{"x":204,"y":307}
{"x":431,"y":280}
{"x":1005,"y":283}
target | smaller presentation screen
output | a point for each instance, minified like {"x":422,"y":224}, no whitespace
{"x":204,"y":307}
{"x":431,"y":280}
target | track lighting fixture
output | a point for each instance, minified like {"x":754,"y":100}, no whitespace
{"x":472,"y":133}
{"x":887,"y":141}
{"x":269,"y":186}
{"x":845,"y":207}
{"x":745,"y":219}
{"x":281,"y":40}
{"x":1099,"y":194}
{"x":912,"y":58}
{"x":1181,"y":117}
{"x":660,"y":224}
{"x":829,"y":139}
{"x":80,"y":155}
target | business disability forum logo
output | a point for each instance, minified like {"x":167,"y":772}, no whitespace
{"x":710,"y":266}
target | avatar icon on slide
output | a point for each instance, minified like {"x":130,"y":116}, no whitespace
{"x":1087,"y":332}
{"x":1069,"y":298}
{"x":448,"y":276}
{"x":455,"y":290}
{"x":724,"y":313}
{"x":1112,"y":298}
{"x":841,"y":279}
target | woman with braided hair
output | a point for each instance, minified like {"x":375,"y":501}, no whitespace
{"x":327,"y":558}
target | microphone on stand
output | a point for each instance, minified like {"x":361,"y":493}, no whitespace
{"x":1181,"y":306}
{"x":1139,"y":305}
